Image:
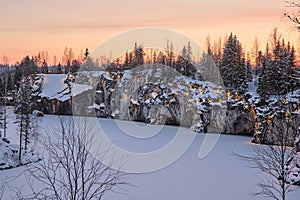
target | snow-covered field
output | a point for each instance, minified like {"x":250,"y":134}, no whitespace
{"x":220,"y":175}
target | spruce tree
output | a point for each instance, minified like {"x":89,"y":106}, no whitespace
{"x":138,"y":55}
{"x":44,"y":67}
{"x":277,"y":76}
{"x":232,"y":66}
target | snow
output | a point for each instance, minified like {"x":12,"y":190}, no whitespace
{"x":220,"y":175}
{"x":9,"y":150}
{"x":80,"y":88}
{"x":54,"y":87}
{"x":294,"y":170}
{"x":9,"y":156}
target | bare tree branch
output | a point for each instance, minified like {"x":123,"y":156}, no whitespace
{"x":273,"y":160}
{"x":294,"y":19}
{"x":69,"y":171}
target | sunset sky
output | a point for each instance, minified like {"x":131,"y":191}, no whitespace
{"x":28,"y":26}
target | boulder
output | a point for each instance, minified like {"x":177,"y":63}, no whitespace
{"x":38,"y":113}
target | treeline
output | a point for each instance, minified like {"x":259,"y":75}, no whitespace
{"x":182,"y":62}
{"x":274,"y":70}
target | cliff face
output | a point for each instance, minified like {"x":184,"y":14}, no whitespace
{"x":157,"y":96}
{"x":160,"y":96}
{"x":275,"y":116}
{"x":294,"y":165}
{"x":240,"y":121}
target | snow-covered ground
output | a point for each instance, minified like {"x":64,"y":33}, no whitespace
{"x":9,"y":152}
{"x":220,"y":175}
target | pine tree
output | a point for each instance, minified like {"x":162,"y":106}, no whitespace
{"x":138,"y":55}
{"x":23,"y":110}
{"x":232,"y":67}
{"x":249,"y":72}
{"x":3,"y":115}
{"x":9,"y":82}
{"x":2,"y":87}
{"x":25,"y":68}
{"x":263,"y":86}
{"x":59,"y":68}
{"x":170,"y":55}
{"x":44,"y":67}
{"x":276,"y":75}
{"x":75,"y":66}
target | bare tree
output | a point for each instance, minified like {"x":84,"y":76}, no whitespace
{"x":255,"y":52}
{"x":272,"y":160}
{"x":2,"y":188}
{"x":294,"y":18}
{"x":69,"y":171}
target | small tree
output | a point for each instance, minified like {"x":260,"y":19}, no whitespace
{"x":44,"y":67}
{"x":69,"y":171}
{"x":272,"y":160}
{"x":232,"y":66}
{"x":23,"y":110}
{"x":3,"y":117}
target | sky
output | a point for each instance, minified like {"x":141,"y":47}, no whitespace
{"x":29,"y":26}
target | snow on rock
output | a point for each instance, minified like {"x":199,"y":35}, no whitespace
{"x":52,"y":93}
{"x":54,"y":86}
{"x":37,"y":113}
{"x":294,"y":165}
{"x":150,"y":96}
{"x":277,"y":109}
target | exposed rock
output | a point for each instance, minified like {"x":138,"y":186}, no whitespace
{"x":240,"y":121}
{"x":293,"y":167}
{"x":297,"y":141}
{"x":276,"y":116}
{"x":293,"y":170}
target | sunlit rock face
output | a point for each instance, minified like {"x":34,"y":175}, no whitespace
{"x":156,"y":95}
{"x":293,"y":168}
{"x":239,"y":120}
{"x":297,"y":141}
{"x":279,"y":129}
{"x":274,"y":117}
{"x":155,"y":104}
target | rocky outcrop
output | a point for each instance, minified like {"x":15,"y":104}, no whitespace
{"x":275,"y":117}
{"x":152,"y":95}
{"x":297,"y":141}
{"x":52,"y":106}
{"x":239,"y":120}
{"x":293,"y":168}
